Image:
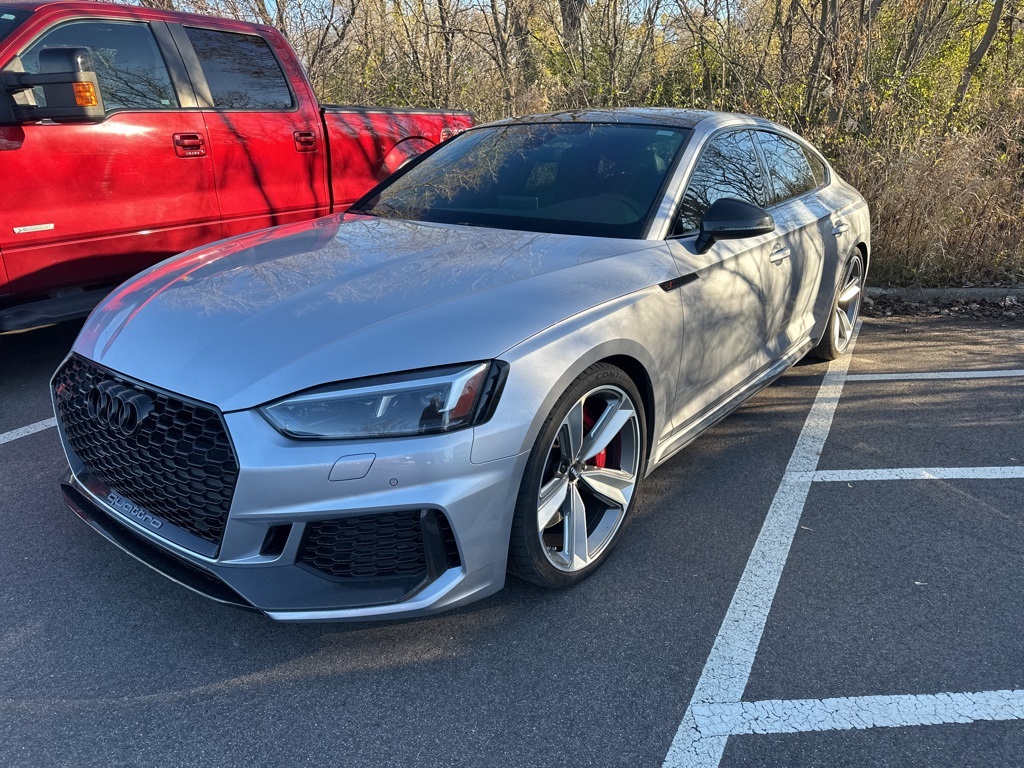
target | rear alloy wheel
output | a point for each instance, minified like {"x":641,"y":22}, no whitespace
{"x":581,"y":480}
{"x":845,"y":311}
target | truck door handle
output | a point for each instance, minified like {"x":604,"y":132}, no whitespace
{"x":305,"y":141}
{"x":839,"y":226}
{"x":779,"y":255}
{"x":189,"y":145}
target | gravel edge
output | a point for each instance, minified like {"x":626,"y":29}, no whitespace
{"x":1003,"y":304}
{"x":946,"y":295}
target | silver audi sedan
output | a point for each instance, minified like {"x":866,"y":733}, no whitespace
{"x":381,"y":413}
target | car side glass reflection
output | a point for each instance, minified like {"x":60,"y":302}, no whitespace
{"x":728,"y":167}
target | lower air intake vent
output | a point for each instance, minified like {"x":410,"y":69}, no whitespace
{"x":403,"y":543}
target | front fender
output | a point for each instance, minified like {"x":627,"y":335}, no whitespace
{"x":638,"y":326}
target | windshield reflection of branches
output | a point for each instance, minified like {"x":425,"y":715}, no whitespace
{"x":594,"y":179}
{"x":471,"y":170}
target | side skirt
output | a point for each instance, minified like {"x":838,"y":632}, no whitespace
{"x":726,"y":405}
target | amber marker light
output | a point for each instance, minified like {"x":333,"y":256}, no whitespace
{"x":85,"y":95}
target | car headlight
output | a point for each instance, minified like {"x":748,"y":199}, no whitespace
{"x":415,"y":403}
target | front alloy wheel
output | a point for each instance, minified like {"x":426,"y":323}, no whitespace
{"x":581,"y":480}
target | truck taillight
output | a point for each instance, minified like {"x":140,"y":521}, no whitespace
{"x":85,"y":95}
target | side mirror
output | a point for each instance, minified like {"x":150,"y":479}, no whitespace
{"x":70,"y":87}
{"x":732,"y":219}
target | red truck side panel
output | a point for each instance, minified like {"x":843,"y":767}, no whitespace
{"x":84,"y":202}
{"x":262,"y":179}
{"x":189,"y":151}
{"x":271,"y":165}
{"x":92,"y":203}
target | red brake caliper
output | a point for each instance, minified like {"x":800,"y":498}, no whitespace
{"x":600,"y":459}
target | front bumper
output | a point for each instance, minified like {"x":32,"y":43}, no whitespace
{"x":285,"y":486}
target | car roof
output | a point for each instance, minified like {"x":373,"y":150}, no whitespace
{"x":666,"y":116}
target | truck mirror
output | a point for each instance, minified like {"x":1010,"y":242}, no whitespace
{"x":70,"y":88}
{"x":54,"y":61}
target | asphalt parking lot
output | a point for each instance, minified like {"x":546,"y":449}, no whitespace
{"x":830,"y":577}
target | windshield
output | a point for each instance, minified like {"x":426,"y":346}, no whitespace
{"x":10,"y":19}
{"x":568,"y":178}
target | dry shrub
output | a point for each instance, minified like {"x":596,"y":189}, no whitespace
{"x":945,"y":210}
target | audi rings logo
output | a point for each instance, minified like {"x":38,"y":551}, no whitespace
{"x":119,"y":407}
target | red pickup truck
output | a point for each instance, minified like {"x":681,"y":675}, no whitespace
{"x":130,"y":134}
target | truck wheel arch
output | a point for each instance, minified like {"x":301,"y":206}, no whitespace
{"x":403,"y":152}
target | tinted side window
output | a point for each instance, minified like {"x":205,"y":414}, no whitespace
{"x":817,"y":167}
{"x":727,"y":167}
{"x":131,"y":71}
{"x":788,"y":168}
{"x":241,"y":70}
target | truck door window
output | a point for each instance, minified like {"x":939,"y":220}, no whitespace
{"x":241,"y":70}
{"x":10,"y":18}
{"x":131,"y":72}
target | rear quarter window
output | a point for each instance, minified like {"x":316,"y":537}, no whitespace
{"x":789,"y":171}
{"x":817,"y":167}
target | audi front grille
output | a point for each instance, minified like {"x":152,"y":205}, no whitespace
{"x":164,"y":453}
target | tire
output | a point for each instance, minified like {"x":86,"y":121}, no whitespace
{"x":844,"y":312}
{"x":582,"y":477}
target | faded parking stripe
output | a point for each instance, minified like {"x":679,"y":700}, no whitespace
{"x":31,"y":429}
{"x":1005,"y":374}
{"x":728,"y":667}
{"x":858,"y":712}
{"x":918,"y":473}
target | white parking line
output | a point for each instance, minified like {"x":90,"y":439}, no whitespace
{"x":859,"y":712}
{"x":715,"y":711}
{"x":31,"y":429}
{"x":1015,"y":373}
{"x":728,"y":667}
{"x":918,"y":473}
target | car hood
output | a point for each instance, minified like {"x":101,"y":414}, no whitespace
{"x":254,"y":318}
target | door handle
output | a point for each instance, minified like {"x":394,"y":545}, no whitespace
{"x":189,"y":145}
{"x":305,"y":141}
{"x":838,"y":227}
{"x":779,"y":255}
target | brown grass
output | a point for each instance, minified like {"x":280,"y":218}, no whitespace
{"x":947,"y":211}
